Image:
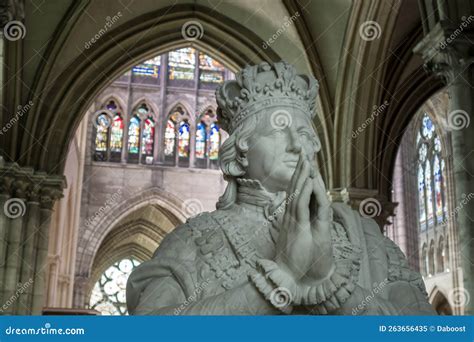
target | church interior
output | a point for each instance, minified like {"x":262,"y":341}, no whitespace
{"x":109,"y":135}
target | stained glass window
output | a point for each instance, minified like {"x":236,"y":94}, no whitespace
{"x":429,"y":193}
{"x":170,"y":137}
{"x":181,"y":64}
{"x":214,"y":141}
{"x":102,"y":132}
{"x":116,"y":134}
{"x":211,"y":70}
{"x":201,"y":141}
{"x":150,"y":68}
{"x":133,"y":135}
{"x":183,"y":142}
{"x":437,"y":188}
{"x":108,"y":294}
{"x":421,"y":197}
{"x":431,"y":202}
{"x":148,"y":137}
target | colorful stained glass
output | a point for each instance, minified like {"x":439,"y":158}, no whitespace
{"x":427,"y":127}
{"x":150,"y":68}
{"x":201,"y":141}
{"x":181,"y":64}
{"x":211,"y":70}
{"x":437,"y":188}
{"x":109,"y":292}
{"x":208,"y":63}
{"x":429,"y":193}
{"x":170,"y":138}
{"x":111,"y":106}
{"x":102,"y":134}
{"x":148,"y":137}
{"x":116,"y":134}
{"x":421,"y":197}
{"x":214,"y":141}
{"x":133,"y":135}
{"x":183,"y":141}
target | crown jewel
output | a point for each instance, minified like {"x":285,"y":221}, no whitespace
{"x":264,"y":86}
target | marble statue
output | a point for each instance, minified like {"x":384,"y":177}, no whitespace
{"x":275,"y":244}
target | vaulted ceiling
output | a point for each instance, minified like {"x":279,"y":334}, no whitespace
{"x":62,"y":69}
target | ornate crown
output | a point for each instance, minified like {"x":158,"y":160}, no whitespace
{"x":264,"y":86}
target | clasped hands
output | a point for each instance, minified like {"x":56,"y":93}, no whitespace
{"x":304,"y":247}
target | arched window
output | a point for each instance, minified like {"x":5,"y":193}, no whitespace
{"x":108,"y":133}
{"x":183,"y":140}
{"x":148,"y":140}
{"x":116,"y":138}
{"x":108,"y":294}
{"x":201,"y":141}
{"x":431,"y":198}
{"x":133,"y":138}
{"x":170,"y":140}
{"x":102,"y":124}
{"x":214,"y":142}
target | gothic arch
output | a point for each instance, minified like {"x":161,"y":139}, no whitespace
{"x":150,"y":102}
{"x":105,"y":98}
{"x":184,"y":105}
{"x":440,"y":302}
{"x":170,"y":204}
{"x":77,"y":86}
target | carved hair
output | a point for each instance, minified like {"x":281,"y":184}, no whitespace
{"x":233,"y":159}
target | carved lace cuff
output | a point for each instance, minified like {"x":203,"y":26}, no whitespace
{"x":329,"y":294}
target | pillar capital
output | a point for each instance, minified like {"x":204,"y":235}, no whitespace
{"x":447,"y":49}
{"x":29,"y":185}
{"x":368,"y":202}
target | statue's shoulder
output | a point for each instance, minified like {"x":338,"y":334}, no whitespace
{"x":188,"y":236}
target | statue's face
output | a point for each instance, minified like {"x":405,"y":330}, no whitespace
{"x":275,"y":147}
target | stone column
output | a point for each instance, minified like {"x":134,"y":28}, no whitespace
{"x":448,"y":51}
{"x":26,"y":200}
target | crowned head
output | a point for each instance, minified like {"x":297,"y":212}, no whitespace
{"x":268,"y":112}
